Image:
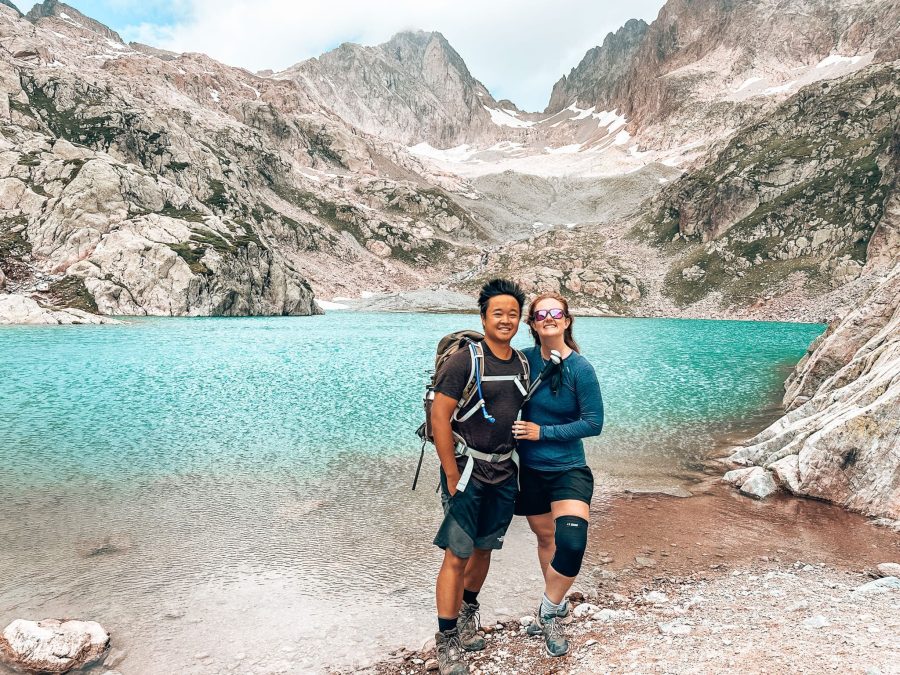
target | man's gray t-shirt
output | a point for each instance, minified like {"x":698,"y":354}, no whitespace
{"x":502,"y":399}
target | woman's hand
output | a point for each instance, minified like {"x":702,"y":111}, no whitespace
{"x":526,"y":431}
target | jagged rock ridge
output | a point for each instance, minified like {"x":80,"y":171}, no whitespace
{"x":596,"y":78}
{"x":699,"y":62}
{"x":413,"y":88}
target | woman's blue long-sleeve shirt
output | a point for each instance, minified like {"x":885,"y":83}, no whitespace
{"x":573,"y":413}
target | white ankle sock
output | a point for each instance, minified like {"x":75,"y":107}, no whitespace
{"x":548,"y":608}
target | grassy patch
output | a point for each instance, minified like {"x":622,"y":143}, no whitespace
{"x":218,"y":199}
{"x":19,"y":107}
{"x":71,"y":292}
{"x":192,"y":254}
{"x":30,"y":159}
{"x":189,"y":215}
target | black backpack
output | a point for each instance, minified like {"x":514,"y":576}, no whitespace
{"x":448,"y":346}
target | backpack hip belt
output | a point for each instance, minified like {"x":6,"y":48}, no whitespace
{"x":465,"y":451}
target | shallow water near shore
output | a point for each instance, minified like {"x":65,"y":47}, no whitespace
{"x":225,"y":491}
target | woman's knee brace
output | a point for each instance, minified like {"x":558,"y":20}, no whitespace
{"x":571,"y":540}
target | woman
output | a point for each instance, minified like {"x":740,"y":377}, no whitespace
{"x":556,"y":483}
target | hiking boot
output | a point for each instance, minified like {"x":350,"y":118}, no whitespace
{"x":469,"y":625}
{"x":449,"y":653}
{"x":534,"y":628}
{"x":554,"y":636}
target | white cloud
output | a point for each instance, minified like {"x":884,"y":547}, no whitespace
{"x":518,"y":49}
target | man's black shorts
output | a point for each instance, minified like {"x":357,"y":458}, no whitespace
{"x":539,"y":488}
{"x":477,"y":517}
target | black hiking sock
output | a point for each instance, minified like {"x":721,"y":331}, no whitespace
{"x":470,"y":597}
{"x":446,"y":625}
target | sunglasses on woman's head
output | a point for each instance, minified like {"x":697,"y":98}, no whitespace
{"x":542,"y":314}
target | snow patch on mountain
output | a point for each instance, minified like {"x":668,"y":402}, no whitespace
{"x":836,"y":59}
{"x":748,"y":82}
{"x":503,"y":118}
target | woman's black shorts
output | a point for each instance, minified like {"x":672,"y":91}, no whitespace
{"x":539,"y":488}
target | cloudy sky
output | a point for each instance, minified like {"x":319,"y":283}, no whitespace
{"x":517,"y":48}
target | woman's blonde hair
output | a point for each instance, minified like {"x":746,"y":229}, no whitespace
{"x":568,"y":337}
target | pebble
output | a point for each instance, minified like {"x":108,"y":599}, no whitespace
{"x":889,"y":569}
{"x":674,"y":628}
{"x":526,"y":620}
{"x":817,"y":621}
{"x":656,"y":597}
{"x":643,"y":561}
{"x":584,"y":609}
{"x":612,"y":615}
{"x":879,"y":585}
{"x":431,"y":664}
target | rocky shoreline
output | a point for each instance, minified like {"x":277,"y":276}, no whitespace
{"x":766,"y":615}
{"x":840,"y":436}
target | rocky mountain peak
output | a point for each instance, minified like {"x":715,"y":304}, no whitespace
{"x":60,"y":10}
{"x":414,"y":47}
{"x":413,"y":88}
{"x":594,"y":79}
{"x":8,"y":3}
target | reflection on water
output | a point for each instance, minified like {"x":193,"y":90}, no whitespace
{"x":241,"y":487}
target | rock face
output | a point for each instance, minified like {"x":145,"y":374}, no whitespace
{"x":794,"y":198}
{"x":411,"y":89}
{"x":843,"y":444}
{"x":18,"y":309}
{"x":52,"y":645}
{"x":139,"y":182}
{"x":7,"y":3}
{"x":596,"y":78}
{"x":698,"y":64}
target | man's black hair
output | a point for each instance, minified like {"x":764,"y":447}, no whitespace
{"x":496,"y":287}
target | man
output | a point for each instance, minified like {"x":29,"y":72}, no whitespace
{"x":478,"y":481}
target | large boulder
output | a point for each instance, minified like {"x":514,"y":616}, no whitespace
{"x":19,"y":309}
{"x":843,"y":444}
{"x":52,"y":645}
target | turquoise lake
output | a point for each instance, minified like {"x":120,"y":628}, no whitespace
{"x":207,"y":485}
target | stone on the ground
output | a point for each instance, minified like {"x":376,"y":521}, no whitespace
{"x":584,"y":609}
{"x":817,"y":621}
{"x":612,"y":615}
{"x":787,"y":472}
{"x":737,"y":476}
{"x":52,"y":645}
{"x":431,"y":664}
{"x":641,"y":561}
{"x":526,"y":620}
{"x":656,"y":598}
{"x":759,"y":484}
{"x":879,"y":585}
{"x":889,"y":569}
{"x":674,"y":628}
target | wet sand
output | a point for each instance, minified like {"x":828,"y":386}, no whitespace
{"x":719,"y":526}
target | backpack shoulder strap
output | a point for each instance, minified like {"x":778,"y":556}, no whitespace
{"x":526,"y":367}
{"x":476,"y":352}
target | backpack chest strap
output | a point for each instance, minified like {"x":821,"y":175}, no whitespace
{"x":517,"y":379}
